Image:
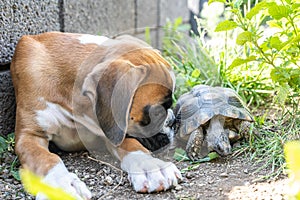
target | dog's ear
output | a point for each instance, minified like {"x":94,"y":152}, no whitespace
{"x":110,"y":88}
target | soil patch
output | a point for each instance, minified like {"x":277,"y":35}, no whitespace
{"x":223,"y":178}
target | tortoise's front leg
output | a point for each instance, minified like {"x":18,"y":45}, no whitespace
{"x":196,"y":147}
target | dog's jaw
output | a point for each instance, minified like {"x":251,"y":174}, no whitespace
{"x":59,"y":176}
{"x":149,"y":174}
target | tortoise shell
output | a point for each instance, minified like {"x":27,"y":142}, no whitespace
{"x":195,"y":108}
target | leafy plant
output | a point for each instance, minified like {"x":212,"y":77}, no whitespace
{"x":269,"y":36}
{"x":279,"y":51}
{"x":197,"y":60}
{"x":7,"y":145}
{"x":255,"y":51}
{"x":191,"y":61}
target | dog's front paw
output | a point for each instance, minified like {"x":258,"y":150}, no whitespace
{"x":60,"y":177}
{"x":148,"y":174}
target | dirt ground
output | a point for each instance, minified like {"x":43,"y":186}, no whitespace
{"x":222,"y":178}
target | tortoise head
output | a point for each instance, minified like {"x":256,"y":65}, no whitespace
{"x":222,"y":145}
{"x":216,"y":136}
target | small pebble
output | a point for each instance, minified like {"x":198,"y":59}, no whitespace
{"x":93,"y":170}
{"x":247,"y":183}
{"x":224,"y":175}
{"x":211,"y":181}
{"x":246,"y":171}
{"x":108,"y":180}
{"x":178,"y":187}
{"x":189,"y":175}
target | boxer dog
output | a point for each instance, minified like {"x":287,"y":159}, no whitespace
{"x":72,"y":89}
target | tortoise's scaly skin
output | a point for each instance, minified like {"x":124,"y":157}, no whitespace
{"x":196,"y":108}
{"x":196,"y":147}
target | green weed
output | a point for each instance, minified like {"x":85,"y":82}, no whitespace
{"x":7,"y":147}
{"x":7,"y":143}
{"x":263,"y":68}
{"x":266,"y":142}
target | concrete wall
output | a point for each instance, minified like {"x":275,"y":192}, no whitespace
{"x":105,"y":17}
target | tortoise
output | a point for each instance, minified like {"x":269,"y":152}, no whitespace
{"x":209,"y":119}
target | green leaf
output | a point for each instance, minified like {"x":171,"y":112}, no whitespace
{"x":274,"y":24}
{"x":3,"y":145}
{"x":256,"y":9}
{"x":237,"y":3}
{"x":282,"y":93}
{"x":196,"y":164}
{"x":213,"y":155}
{"x":275,"y":43}
{"x":177,"y":22}
{"x":244,"y":37}
{"x":180,"y":155}
{"x":211,"y":1}
{"x":294,"y":81}
{"x":209,"y":157}
{"x":239,"y":61}
{"x":16,"y":175}
{"x":196,"y":73}
{"x":290,"y":42}
{"x":278,"y":11}
{"x":295,"y":6}
{"x":226,"y":25}
{"x":280,"y":75}
{"x":14,"y":169}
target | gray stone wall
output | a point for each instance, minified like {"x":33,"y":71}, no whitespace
{"x":105,"y":17}
{"x":99,"y":17}
{"x":19,"y":17}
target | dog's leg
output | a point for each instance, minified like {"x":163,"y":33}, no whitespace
{"x":32,"y":149}
{"x":146,"y":173}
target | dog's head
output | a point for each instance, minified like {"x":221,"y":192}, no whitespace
{"x":131,"y":94}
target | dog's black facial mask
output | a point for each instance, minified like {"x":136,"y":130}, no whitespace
{"x":151,"y":117}
{"x":159,"y":139}
{"x":151,"y":123}
{"x":155,"y":109}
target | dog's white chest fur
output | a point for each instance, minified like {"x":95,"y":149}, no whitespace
{"x":59,"y":122}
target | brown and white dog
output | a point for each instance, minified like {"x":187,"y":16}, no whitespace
{"x":75,"y":88}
